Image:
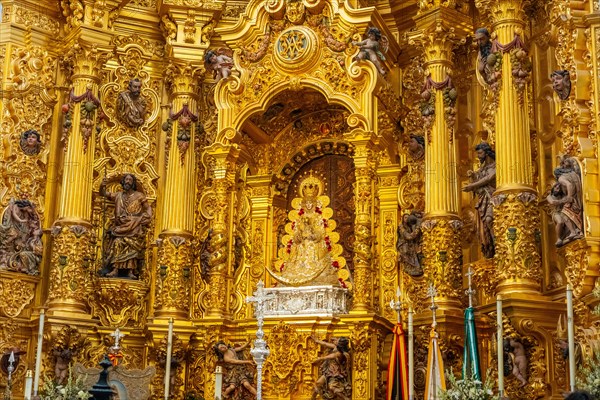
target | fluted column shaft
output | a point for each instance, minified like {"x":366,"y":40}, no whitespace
{"x":516,"y":216}
{"x":72,"y":233}
{"x":175,"y":241}
{"x":441,"y":227}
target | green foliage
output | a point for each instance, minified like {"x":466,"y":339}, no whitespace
{"x":589,"y":376}
{"x":467,"y":389}
{"x":73,"y":390}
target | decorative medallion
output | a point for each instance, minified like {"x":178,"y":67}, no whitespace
{"x":296,"y":48}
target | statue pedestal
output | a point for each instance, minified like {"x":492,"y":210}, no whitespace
{"x":306,"y":300}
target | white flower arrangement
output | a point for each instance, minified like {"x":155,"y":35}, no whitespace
{"x":73,"y":390}
{"x":589,"y":376}
{"x":467,"y":389}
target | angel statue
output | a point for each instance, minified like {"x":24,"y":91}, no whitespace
{"x":219,"y":62}
{"x":373,"y":48}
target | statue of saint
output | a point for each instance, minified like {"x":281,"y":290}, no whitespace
{"x":372,"y":48}
{"x":335,"y":371}
{"x":409,"y":244}
{"x":125,"y":244}
{"x":311,"y":254}
{"x":21,"y":238}
{"x":483,"y":184}
{"x":237,"y":376}
{"x":566,"y":198}
{"x":487,"y":57}
{"x":416,"y":147}
{"x":561,"y":83}
{"x":220,"y":64}
{"x":131,"y":106}
{"x":30,"y":142}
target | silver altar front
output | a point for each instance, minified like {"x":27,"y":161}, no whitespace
{"x":324,"y":301}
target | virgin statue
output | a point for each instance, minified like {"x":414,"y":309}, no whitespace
{"x":310,"y":254}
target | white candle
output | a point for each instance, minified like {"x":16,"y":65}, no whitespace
{"x":411,"y":359}
{"x":169,"y":355}
{"x":571,"y":337}
{"x":38,"y":354}
{"x":218,"y":382}
{"x":500,"y":346}
{"x":28,"y":384}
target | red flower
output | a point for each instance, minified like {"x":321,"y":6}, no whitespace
{"x":325,"y":224}
{"x":301,"y":211}
{"x":335,"y":264}
{"x":281,"y":267}
{"x":318,"y":210}
{"x":294,"y":225}
{"x":328,"y":248}
{"x":343,"y":283}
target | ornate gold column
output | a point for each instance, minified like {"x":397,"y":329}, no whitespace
{"x":365,"y":164}
{"x":72,"y":233}
{"x":175,"y":241}
{"x":223,"y":158}
{"x":516,"y":215}
{"x":441,"y":227}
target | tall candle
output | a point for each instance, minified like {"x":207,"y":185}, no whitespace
{"x":218,"y":382}
{"x":28,"y":384}
{"x":169,"y":355}
{"x":571,"y":337}
{"x":411,"y":356}
{"x":38,"y":354}
{"x":500,"y":346}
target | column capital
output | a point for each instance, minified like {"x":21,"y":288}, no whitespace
{"x":182,"y":77}
{"x":439,"y":31}
{"x":503,"y":10}
{"x":224,"y":156}
{"x":86,"y":60}
{"x":188,"y":28}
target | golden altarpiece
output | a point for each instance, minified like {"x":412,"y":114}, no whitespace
{"x":223,"y":144}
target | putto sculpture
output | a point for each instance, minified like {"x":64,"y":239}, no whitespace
{"x":561,"y":83}
{"x":335,"y":371}
{"x":218,"y":62}
{"x":237,"y":376}
{"x":409,"y":244}
{"x":31,"y":142}
{"x":373,"y":48}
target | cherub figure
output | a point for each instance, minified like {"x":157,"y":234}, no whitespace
{"x":238,"y":375}
{"x":372,"y":48}
{"x":335,"y":371}
{"x":518,"y":357}
{"x":219,"y":63}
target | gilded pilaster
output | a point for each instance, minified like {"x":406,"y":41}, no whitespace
{"x":223,"y":159}
{"x":69,"y":283}
{"x":388,"y":221}
{"x":516,"y":215}
{"x":175,"y":246}
{"x":441,"y":227}
{"x":259,"y":238}
{"x":364,"y":190}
